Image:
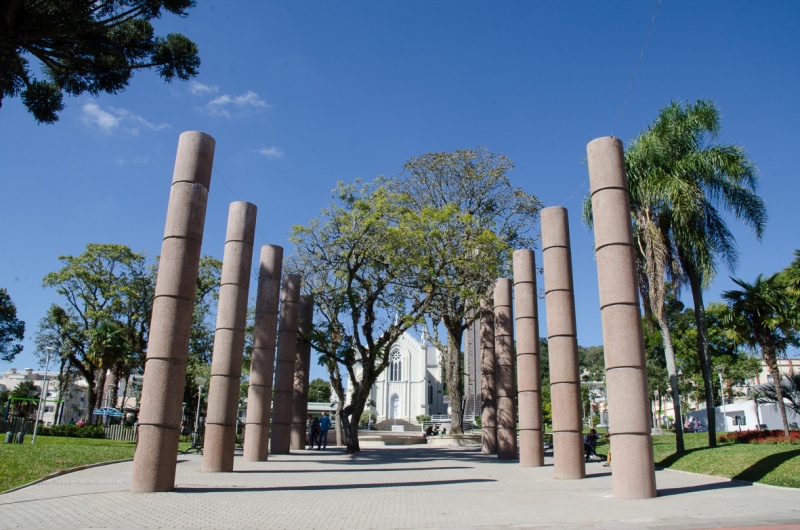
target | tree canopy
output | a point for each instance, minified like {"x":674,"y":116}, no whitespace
{"x":12,"y":330}
{"x":86,"y":46}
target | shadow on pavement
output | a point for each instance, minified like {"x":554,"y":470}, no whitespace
{"x":329,"y":487}
{"x":358,"y":470}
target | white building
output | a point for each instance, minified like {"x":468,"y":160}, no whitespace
{"x":70,"y":406}
{"x":412,"y":383}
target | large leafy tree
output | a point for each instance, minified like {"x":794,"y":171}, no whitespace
{"x":473,"y":218}
{"x":12,"y":330}
{"x":355,"y":261}
{"x":104,"y":324}
{"x":86,"y":46}
{"x":763,"y":317}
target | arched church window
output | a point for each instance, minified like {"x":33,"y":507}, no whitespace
{"x":396,"y":366}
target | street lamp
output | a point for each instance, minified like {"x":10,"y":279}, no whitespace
{"x":200,"y":380}
{"x":49,"y":350}
{"x":721,"y":370}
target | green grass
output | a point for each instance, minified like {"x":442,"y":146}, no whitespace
{"x":26,"y":462}
{"x":777,"y":465}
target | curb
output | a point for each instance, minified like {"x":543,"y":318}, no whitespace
{"x":64,"y":472}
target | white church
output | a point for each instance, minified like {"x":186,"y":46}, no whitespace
{"x":412,"y":383}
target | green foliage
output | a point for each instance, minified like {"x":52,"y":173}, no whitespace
{"x":356,"y":262}
{"x":423,"y":417}
{"x":773,"y":437}
{"x":12,"y":330}
{"x":74,"y":431}
{"x":319,"y":390}
{"x":466,"y":218}
{"x":85,"y":46}
{"x":25,"y":399}
{"x":790,"y":390}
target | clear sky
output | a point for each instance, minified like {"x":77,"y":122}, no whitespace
{"x":299,"y":95}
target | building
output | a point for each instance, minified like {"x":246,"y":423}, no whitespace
{"x":57,"y":408}
{"x":412,"y":383}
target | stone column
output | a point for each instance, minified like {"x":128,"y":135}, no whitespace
{"x":633,"y":471}
{"x":226,"y":364}
{"x":562,"y":340}
{"x":284,"y":366}
{"x":529,"y":374}
{"x":504,"y":371}
{"x":488,"y":401}
{"x":302,"y":365}
{"x":262,"y":361}
{"x":171,"y":323}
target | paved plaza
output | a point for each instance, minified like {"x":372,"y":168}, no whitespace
{"x":390,"y":487}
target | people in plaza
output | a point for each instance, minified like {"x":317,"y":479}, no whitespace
{"x":590,"y":444}
{"x":435,"y":430}
{"x":429,"y":430}
{"x":314,"y":433}
{"x":324,"y":427}
{"x":444,"y":430}
{"x":608,"y":459}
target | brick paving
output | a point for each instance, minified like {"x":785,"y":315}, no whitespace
{"x":389,"y":487}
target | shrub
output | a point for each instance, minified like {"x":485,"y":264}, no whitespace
{"x":760,"y":437}
{"x":423,"y":417}
{"x":74,"y":431}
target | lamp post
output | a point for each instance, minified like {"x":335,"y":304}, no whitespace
{"x":49,"y":350}
{"x":200,"y":380}
{"x":721,"y":370}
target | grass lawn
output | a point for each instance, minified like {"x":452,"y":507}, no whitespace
{"x":778,"y":465}
{"x":26,"y":462}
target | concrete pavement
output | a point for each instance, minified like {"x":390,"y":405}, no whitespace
{"x":389,"y":487}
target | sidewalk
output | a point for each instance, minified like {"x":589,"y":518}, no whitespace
{"x":390,"y":487}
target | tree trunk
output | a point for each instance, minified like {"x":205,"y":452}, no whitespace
{"x":672,"y":372}
{"x":455,"y":379}
{"x":98,"y":398}
{"x":702,"y":351}
{"x":772,"y":363}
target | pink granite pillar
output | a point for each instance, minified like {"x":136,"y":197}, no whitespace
{"x":171,"y":323}
{"x":562,"y":340}
{"x":488,"y":401}
{"x":226,"y":364}
{"x":302,"y":365}
{"x":284,"y":366}
{"x":529,"y":375}
{"x":262,"y":361}
{"x":633,"y":471}
{"x":504,"y":371}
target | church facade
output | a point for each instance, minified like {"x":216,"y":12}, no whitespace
{"x":412,"y":383}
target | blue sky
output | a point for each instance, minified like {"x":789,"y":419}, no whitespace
{"x":299,"y":95}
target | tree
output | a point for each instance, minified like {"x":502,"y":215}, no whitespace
{"x":691,"y":178}
{"x":789,"y":391}
{"x":108,"y":290}
{"x":470,"y":218}
{"x":12,"y":330}
{"x":25,"y":398}
{"x":86,"y":46}
{"x":354,"y":261}
{"x":762,"y":316}
{"x":319,"y":390}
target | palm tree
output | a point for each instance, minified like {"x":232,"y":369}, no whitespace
{"x":694,"y":179}
{"x":23,"y":397}
{"x":762,"y":316}
{"x":790,"y":391}
{"x":655,"y":257}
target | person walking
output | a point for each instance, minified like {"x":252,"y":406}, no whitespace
{"x":324,"y":427}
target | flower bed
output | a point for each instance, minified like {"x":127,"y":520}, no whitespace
{"x":760,"y":437}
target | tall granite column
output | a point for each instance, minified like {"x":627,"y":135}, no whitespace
{"x":284,"y":366}
{"x":529,"y":374}
{"x":488,"y":401}
{"x":562,"y":340}
{"x":226,"y":364}
{"x":504,"y":371}
{"x":171,"y":323}
{"x":633,"y":473}
{"x":262,"y":361}
{"x":302,"y":365}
